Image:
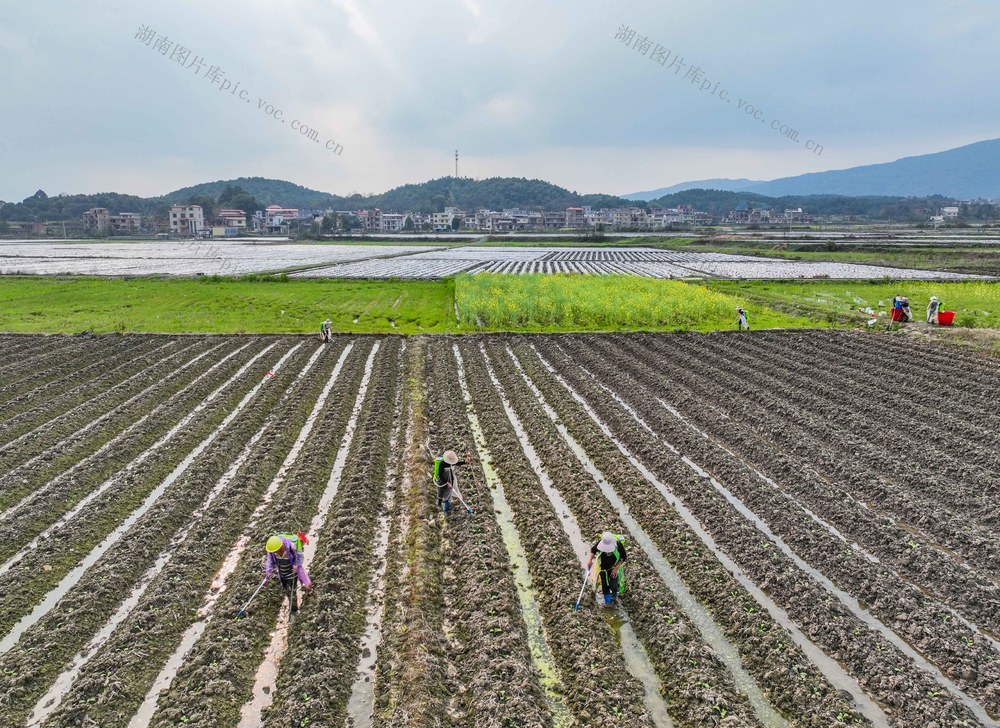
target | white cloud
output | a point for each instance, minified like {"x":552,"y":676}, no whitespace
{"x":524,"y":87}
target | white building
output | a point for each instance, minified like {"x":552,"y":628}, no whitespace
{"x":442,"y":220}
{"x":187,"y":219}
{"x":277,"y":219}
{"x":393,"y":222}
{"x":949,"y":213}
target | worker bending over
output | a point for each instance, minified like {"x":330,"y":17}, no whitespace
{"x":741,"y":320}
{"x":933,"y":308}
{"x":610,"y":550}
{"x":284,"y":555}
{"x":445,"y":479}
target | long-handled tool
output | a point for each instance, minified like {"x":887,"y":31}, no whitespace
{"x":252,"y":597}
{"x":455,"y":484}
{"x":586,"y":578}
{"x":461,"y":500}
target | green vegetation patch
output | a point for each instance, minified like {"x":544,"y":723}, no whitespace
{"x":586,"y":303}
{"x":222,"y":305}
{"x":976,"y":303}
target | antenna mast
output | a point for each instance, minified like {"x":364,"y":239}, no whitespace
{"x":456,"y":164}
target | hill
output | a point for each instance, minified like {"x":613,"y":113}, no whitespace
{"x":726,"y":185}
{"x":964,"y":173}
{"x":495,"y":193}
{"x":266,"y":191}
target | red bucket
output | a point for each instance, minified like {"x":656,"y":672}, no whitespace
{"x":897,"y":314}
{"x":946,"y":318}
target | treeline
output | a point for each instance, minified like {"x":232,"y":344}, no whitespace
{"x":42,"y":208}
{"x":900,"y":209}
{"x":496,"y":193}
{"x":265,"y":191}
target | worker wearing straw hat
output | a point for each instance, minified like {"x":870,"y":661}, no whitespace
{"x":444,"y":477}
{"x":610,"y":550}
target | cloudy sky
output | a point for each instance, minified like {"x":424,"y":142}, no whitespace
{"x":534,"y":88}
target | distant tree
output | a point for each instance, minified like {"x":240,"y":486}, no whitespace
{"x":329,"y":224}
{"x":409,"y":225}
{"x":234,"y":197}
{"x":208,"y":205}
{"x":4,"y":227}
{"x":456,"y":222}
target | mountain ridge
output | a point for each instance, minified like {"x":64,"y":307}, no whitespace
{"x":968,"y":172}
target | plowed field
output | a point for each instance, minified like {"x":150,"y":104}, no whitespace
{"x":811,"y":531}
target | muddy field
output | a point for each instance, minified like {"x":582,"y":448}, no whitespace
{"x":811,"y":536}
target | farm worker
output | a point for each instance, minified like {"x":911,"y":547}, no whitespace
{"x":325,"y":330}
{"x":444,"y":477}
{"x":902,"y":304}
{"x":284,"y":554}
{"x":741,"y":319}
{"x":610,"y":550}
{"x":932,"y":310}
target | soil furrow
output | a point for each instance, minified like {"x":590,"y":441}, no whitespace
{"x":194,"y":631}
{"x":68,"y":387}
{"x":482,"y":612}
{"x":88,"y":602}
{"x":217,"y":674}
{"x":411,"y":680}
{"x":261,"y":699}
{"x":23,"y":583}
{"x":862,"y":365}
{"x":314,"y":682}
{"x":57,"y":437}
{"x":699,"y":686}
{"x":361,"y":703}
{"x":118,"y":454}
{"x":118,"y":451}
{"x":538,"y":640}
{"x":553,"y":558}
{"x":43,"y":369}
{"x":863,"y":482}
{"x":932,"y":630}
{"x":969,"y":473}
{"x":21,"y":351}
{"x":878,"y":540}
{"x":109,"y":678}
{"x":806,"y":602}
{"x":74,"y":370}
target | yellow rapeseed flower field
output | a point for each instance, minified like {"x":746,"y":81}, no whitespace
{"x":591,"y":302}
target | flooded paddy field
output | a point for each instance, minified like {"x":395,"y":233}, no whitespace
{"x":382,"y":261}
{"x":811,"y":542}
